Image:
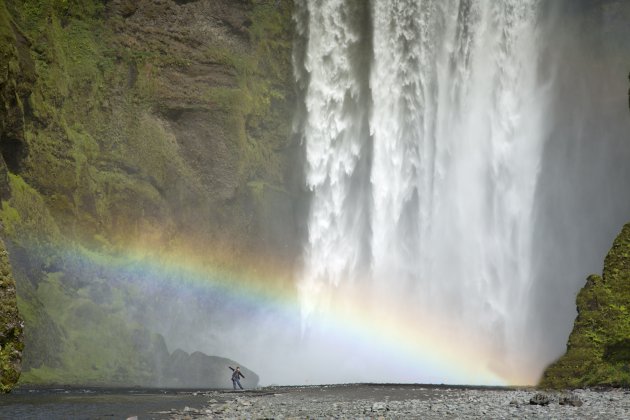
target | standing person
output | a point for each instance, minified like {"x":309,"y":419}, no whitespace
{"x":236,"y":377}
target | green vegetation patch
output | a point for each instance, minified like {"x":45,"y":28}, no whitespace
{"x":11,"y":327}
{"x":598,"y":351}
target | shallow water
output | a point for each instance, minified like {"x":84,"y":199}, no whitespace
{"x":92,"y":403}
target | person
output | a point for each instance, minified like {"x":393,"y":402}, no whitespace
{"x":236,"y":377}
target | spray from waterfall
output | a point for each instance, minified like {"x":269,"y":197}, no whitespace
{"x":466,"y":164}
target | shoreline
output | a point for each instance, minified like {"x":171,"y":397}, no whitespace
{"x":157,"y":389}
{"x":368,"y":400}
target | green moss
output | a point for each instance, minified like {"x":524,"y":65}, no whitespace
{"x":25,"y":216}
{"x":99,"y":338}
{"x":89,"y":326}
{"x":7,"y":36}
{"x":11,"y":327}
{"x":598,"y":351}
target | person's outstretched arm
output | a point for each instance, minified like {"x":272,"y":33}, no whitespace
{"x":231,"y":368}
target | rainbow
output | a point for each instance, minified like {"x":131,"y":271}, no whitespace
{"x":353,"y":331}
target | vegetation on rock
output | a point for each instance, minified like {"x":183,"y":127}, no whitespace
{"x":11,"y":327}
{"x":598,"y":351}
{"x":132,"y":125}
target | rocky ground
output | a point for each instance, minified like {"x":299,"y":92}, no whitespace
{"x":407,"y":401}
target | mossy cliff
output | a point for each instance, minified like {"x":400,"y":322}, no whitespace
{"x":13,"y":87}
{"x":11,"y":326}
{"x":159,"y":125}
{"x":598,"y":351}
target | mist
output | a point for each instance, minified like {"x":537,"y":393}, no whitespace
{"x":457,"y":196}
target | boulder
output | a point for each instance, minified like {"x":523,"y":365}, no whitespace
{"x":540,"y":399}
{"x":572,"y":400}
{"x":198,"y":370}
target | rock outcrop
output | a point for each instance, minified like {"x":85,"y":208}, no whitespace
{"x":598,"y":351}
{"x":198,"y":370}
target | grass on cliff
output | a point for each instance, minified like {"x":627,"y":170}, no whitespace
{"x":598,"y":351}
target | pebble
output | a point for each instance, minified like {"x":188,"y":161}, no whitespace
{"x":405,"y":402}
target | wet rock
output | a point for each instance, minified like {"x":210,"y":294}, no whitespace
{"x":540,"y":399}
{"x":572,"y":400}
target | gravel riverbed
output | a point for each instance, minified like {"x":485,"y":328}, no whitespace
{"x":407,"y":401}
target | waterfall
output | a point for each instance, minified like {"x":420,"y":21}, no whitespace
{"x":336,"y":133}
{"x":424,"y":126}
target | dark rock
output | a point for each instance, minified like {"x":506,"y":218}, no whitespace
{"x":16,"y":83}
{"x":571,"y":400}
{"x":540,"y":399}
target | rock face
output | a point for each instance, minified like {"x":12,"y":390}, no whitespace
{"x":15,"y":77}
{"x":155,"y":125}
{"x":598,"y":351}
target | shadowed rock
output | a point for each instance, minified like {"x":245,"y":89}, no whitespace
{"x":571,"y":400}
{"x":540,"y":399}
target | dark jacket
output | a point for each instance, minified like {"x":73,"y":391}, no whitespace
{"x":236,"y":373}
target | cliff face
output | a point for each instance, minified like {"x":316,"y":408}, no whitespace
{"x":15,"y":79}
{"x":154,"y":115}
{"x":153,"y":125}
{"x":598,"y":351}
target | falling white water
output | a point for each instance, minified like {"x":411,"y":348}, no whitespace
{"x":458,"y":133}
{"x":432,"y":205}
{"x":335,"y":149}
